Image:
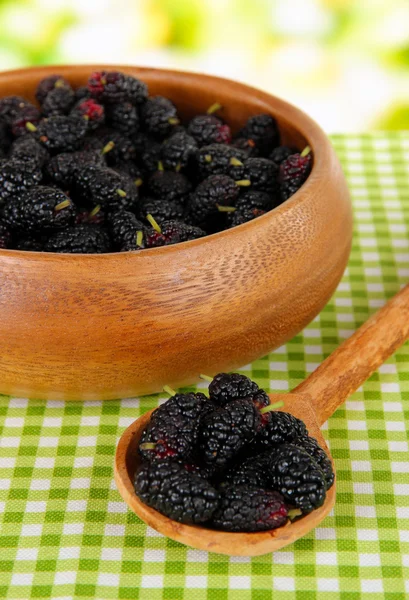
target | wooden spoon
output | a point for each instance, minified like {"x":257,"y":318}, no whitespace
{"x":313,"y":401}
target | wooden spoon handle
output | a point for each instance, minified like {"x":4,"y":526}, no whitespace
{"x":358,"y":357}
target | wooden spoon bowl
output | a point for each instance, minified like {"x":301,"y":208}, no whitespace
{"x":116,"y":325}
{"x":244,"y":544}
{"x":313,"y":401}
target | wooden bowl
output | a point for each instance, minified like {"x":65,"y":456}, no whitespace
{"x":116,"y":325}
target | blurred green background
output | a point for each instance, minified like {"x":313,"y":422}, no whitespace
{"x":346,"y":62}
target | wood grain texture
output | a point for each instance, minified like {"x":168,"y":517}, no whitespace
{"x":117,"y":325}
{"x":235,"y":544}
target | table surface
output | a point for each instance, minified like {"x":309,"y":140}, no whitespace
{"x":65,"y":532}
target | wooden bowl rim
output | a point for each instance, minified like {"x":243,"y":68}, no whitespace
{"x":323,"y":156}
{"x":244,"y":544}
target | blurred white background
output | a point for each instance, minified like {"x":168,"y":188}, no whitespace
{"x":345,"y":62}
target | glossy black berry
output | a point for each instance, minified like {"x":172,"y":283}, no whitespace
{"x":148,"y":152}
{"x":123,"y":117}
{"x":27,"y":149}
{"x":263,"y":131}
{"x":215,"y":191}
{"x":93,"y":141}
{"x":169,"y":185}
{"x":208,"y":129}
{"x":161,"y":210}
{"x":26,"y":121}
{"x":159,"y":116}
{"x":63,"y":168}
{"x":112,"y":87}
{"x":172,"y":232}
{"x":175,"y":492}
{"x":173,"y":428}
{"x":250,"y":205}
{"x":29,"y":244}
{"x":39,"y":209}
{"x":58,"y":101}
{"x":226,"y":387}
{"x":136,"y":90}
{"x":217,"y":159}
{"x":130,"y":168}
{"x":279,"y":154}
{"x":311,"y":446}
{"x":81,"y":239}
{"x":295,"y":475}
{"x":251,"y":472}
{"x":178,"y":150}
{"x":247,"y":146}
{"x":238,"y":217}
{"x":248,"y":509}
{"x":123,"y":227}
{"x":261,"y":172}
{"x":116,"y":146}
{"x":224,"y":432}
{"x":102,"y":186}
{"x":90,"y":110}
{"x":95,"y":216}
{"x":13,"y":107}
{"x":194,"y":465}
{"x":294,"y":170}
{"x":254,"y":199}
{"x":278,"y":428}
{"x":17,"y":176}
{"x":61,"y":133}
{"x":48,"y":84}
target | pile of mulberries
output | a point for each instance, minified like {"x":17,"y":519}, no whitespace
{"x":80,"y":161}
{"x":230,"y":460}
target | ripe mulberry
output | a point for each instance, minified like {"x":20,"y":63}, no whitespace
{"x":249,"y":509}
{"x":295,"y":475}
{"x":175,"y":492}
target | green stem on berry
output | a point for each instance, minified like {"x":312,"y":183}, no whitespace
{"x":147,"y":446}
{"x":306,"y":151}
{"x":243,"y":182}
{"x":61,"y":205}
{"x":138,"y":182}
{"x":31,"y":127}
{"x":213,"y":108}
{"x":235,"y":162}
{"x":173,"y":121}
{"x":95,"y":210}
{"x":139,"y":238}
{"x":178,"y":167}
{"x":121,"y":193}
{"x":160,"y":166}
{"x":103,"y":81}
{"x":208,"y":158}
{"x":293,"y":513}
{"x":225,"y":208}
{"x":85,"y":117}
{"x":59,"y":83}
{"x":108,"y":147}
{"x":271,"y":407}
{"x":206,"y":377}
{"x":169,"y":390}
{"x":153,"y":223}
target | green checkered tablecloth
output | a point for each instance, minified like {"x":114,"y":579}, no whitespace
{"x":65,"y":532}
